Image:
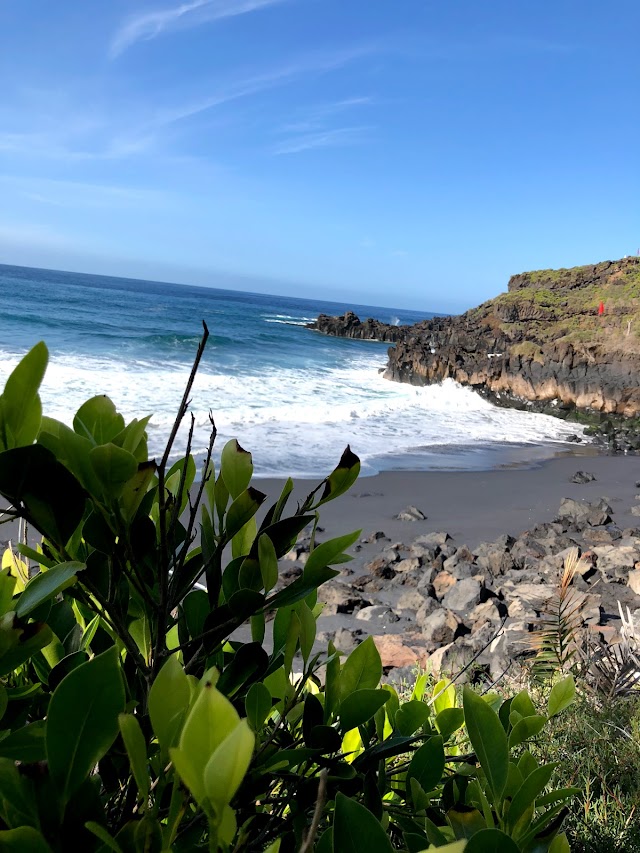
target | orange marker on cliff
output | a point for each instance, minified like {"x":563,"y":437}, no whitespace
{"x":601,"y":308}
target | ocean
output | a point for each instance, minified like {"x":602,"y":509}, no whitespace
{"x":291,"y":396}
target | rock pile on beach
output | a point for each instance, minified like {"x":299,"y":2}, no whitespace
{"x":433,"y":601}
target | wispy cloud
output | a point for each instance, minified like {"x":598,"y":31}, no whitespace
{"x":336,"y":138}
{"x":151,"y":24}
{"x":80,"y":194}
{"x":316,"y":129}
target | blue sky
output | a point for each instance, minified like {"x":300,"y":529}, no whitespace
{"x":412,"y":153}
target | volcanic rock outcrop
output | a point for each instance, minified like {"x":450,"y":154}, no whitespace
{"x":545,"y":340}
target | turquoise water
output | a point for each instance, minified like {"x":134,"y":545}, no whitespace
{"x":293,"y":397}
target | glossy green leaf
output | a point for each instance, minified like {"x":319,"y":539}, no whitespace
{"x":427,"y":764}
{"x":448,"y":721}
{"x":257,"y":705}
{"x":526,"y":728}
{"x":211,"y":719}
{"x":23,"y":839}
{"x":268,"y":562}
{"x":243,"y":508}
{"x":444,"y":695}
{"x":411,"y":716}
{"x":101,"y":833}
{"x":26,"y":744}
{"x":18,"y":807}
{"x":307,"y":629}
{"x":356,"y":829}
{"x":491,"y":841}
{"x":169,"y":700}
{"x":114,"y":468}
{"x":34,"y":477}
{"x":325,"y":554}
{"x":46,"y":585}
{"x":37,"y":636}
{"x":465,"y":821}
{"x":560,"y":844}
{"x":488,"y":739}
{"x":526,"y":795}
{"x":522,"y":703}
{"x":228,"y":765}
{"x":362,"y":669}
{"x":342,"y":477}
{"x":20,"y":407}
{"x":82,"y":720}
{"x":98,"y":420}
{"x":360,"y":706}
{"x":562,"y":695}
{"x":136,"y":747}
{"x":236,"y":468}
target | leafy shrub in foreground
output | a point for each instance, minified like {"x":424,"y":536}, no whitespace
{"x":132,"y":720}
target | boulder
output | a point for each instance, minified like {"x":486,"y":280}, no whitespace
{"x":634,"y":581}
{"x":442,"y":583}
{"x":439,"y":628}
{"x":395,"y":652}
{"x":582,"y":477}
{"x":375,"y":612}
{"x":411,"y":513}
{"x":463,"y":596}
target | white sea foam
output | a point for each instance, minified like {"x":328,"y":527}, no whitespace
{"x":298,"y":421}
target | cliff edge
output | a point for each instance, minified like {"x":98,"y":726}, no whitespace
{"x":543,"y":340}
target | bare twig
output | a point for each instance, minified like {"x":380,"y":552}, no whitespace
{"x":307,"y":844}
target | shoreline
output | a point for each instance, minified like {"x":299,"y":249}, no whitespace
{"x":472,"y":506}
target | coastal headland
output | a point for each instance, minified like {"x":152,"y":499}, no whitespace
{"x":557,"y":340}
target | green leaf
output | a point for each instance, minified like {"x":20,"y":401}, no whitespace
{"x":20,"y":407}
{"x":46,"y":585}
{"x":26,"y":745}
{"x":491,"y":841}
{"x":325,"y":554}
{"x":257,"y":705}
{"x":341,"y":478}
{"x":560,"y":844}
{"x":16,"y":796}
{"x":307,"y":629}
{"x":526,"y":728}
{"x":243,"y":508}
{"x":562,"y":695}
{"x":23,"y":839}
{"x":82,"y":720}
{"x":524,"y":799}
{"x":360,"y":706}
{"x":268,"y":562}
{"x":522,"y":703}
{"x":355,"y":829}
{"x":427,"y":764}
{"x":100,"y":832}
{"x":410,"y":717}
{"x":36,"y":636}
{"x":465,"y":821}
{"x":448,"y":721}
{"x":98,"y":420}
{"x":488,"y":739}
{"x":34,"y":477}
{"x":136,"y":747}
{"x":236,"y":468}
{"x":113,"y":467}
{"x":169,"y":699}
{"x":362,"y":669}
{"x":228,"y":765}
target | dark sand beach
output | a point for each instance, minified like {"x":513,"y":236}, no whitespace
{"x":474,"y":506}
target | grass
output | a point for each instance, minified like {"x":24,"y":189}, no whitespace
{"x":599,"y":751}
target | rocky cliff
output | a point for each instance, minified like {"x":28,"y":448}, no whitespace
{"x":543,"y":340}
